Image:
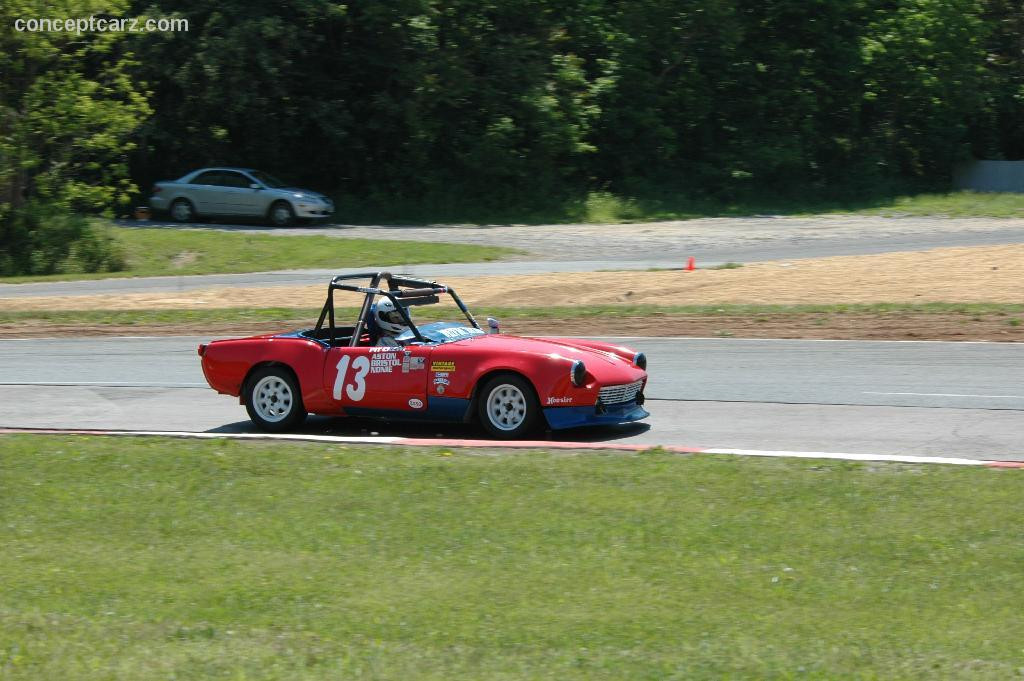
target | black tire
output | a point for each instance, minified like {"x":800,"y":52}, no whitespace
{"x":182,"y":210}
{"x":273,"y":399}
{"x":507,"y":407}
{"x":281,"y":214}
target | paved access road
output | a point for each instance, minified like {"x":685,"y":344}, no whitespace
{"x":901,"y":398}
{"x":745,"y":239}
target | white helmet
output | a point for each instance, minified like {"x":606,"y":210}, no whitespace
{"x":388,"y":318}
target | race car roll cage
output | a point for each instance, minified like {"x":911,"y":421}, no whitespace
{"x":422,"y":292}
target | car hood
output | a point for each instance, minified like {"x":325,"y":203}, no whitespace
{"x":551,"y":346}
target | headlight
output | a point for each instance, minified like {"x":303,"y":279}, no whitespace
{"x":578,"y":373}
{"x":640,"y":359}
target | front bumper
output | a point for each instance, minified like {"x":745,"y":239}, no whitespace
{"x":574,"y":417}
{"x":314,"y":210}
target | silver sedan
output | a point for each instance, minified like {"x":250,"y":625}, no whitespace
{"x":240,"y":192}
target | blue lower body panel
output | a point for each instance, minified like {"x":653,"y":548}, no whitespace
{"x":574,"y":417}
{"x":438,"y":409}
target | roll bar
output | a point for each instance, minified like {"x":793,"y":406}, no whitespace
{"x":418,"y":292}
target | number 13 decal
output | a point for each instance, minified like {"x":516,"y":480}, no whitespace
{"x":357,"y":389}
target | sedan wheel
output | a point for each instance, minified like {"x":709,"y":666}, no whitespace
{"x":507,"y":406}
{"x":281,"y":214}
{"x":273,"y":400}
{"x":182,"y":211}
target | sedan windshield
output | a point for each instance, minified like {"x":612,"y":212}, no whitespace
{"x":268,"y":180}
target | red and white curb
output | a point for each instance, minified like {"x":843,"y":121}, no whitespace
{"x":522,"y":444}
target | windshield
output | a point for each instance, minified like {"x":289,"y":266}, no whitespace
{"x":442,"y":332}
{"x":268,"y":180}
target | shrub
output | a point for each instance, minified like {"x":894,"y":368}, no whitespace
{"x":42,"y":238}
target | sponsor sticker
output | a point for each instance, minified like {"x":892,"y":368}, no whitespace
{"x":384,"y":362}
{"x":410,"y":363}
{"x":440,"y":390}
{"x":438,"y":380}
{"x":559,"y":400}
{"x":415,"y":403}
{"x":442,"y":366}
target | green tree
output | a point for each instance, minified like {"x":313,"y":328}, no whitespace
{"x":925,"y":81}
{"x":998,"y":130}
{"x":385,"y":100}
{"x":493,"y":101}
{"x":68,"y":108}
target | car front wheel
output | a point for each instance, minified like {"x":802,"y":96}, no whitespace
{"x":281,"y":214}
{"x":273,"y":400}
{"x":508,"y":407}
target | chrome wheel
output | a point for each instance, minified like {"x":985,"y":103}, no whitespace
{"x":272,"y":399}
{"x":506,"y":407}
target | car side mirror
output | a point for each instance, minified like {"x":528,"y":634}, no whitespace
{"x":494,"y":325}
{"x":254,"y":186}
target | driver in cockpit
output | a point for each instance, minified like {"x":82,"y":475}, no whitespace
{"x":386,"y":323}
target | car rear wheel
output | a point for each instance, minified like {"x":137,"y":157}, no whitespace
{"x":507,"y":406}
{"x":182,"y":210}
{"x":281,"y":214}
{"x":273,"y":399}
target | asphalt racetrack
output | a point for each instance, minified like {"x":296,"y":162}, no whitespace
{"x":864,"y":397}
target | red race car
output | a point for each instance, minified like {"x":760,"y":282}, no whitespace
{"x":386,"y":366}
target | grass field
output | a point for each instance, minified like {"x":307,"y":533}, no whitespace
{"x":155,"y":252}
{"x":961,"y":204}
{"x":154,"y":559}
{"x":606,"y":207}
{"x":292,"y":316}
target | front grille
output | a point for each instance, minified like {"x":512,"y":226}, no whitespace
{"x":617,"y":394}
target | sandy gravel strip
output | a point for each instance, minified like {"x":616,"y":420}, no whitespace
{"x":982,"y":274}
{"x":526,"y":444}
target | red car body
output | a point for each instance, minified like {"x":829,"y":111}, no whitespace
{"x":440,"y":377}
